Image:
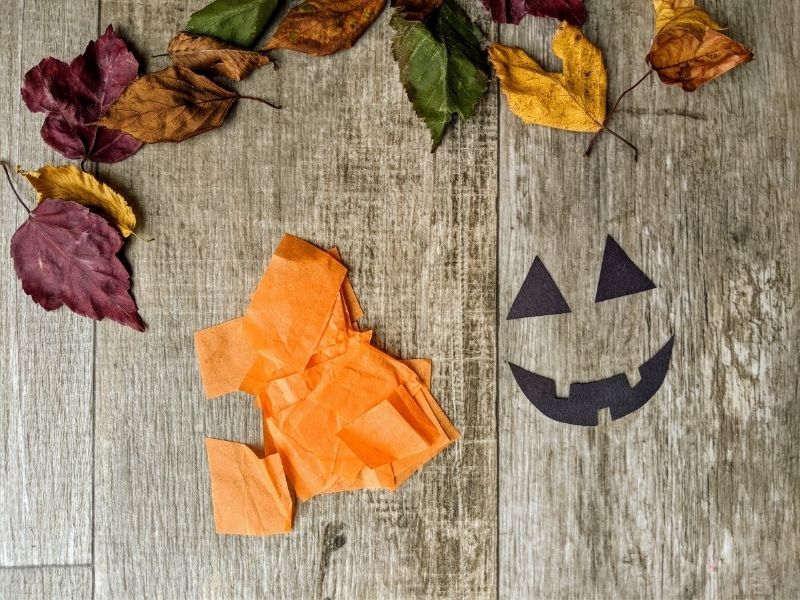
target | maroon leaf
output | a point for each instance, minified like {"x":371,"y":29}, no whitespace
{"x":512,"y":11}
{"x":66,"y":255}
{"x":76,"y":95}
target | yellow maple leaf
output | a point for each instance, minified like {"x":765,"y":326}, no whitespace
{"x":688,"y":49}
{"x":574,"y":99}
{"x":66,"y":182}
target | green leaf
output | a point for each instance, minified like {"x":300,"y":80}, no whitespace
{"x":239,"y":22}
{"x":452,"y":25}
{"x":442,"y":66}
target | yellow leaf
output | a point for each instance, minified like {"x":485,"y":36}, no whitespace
{"x":574,"y":99}
{"x":688,"y":49}
{"x":66,"y":182}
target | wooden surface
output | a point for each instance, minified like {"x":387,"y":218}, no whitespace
{"x":104,"y":490}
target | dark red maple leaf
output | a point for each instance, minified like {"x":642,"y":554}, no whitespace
{"x":76,"y":95}
{"x":512,"y":11}
{"x":66,"y":255}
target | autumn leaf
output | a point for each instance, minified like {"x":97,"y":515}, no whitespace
{"x":512,"y":11}
{"x":574,"y":99}
{"x":65,"y":255}
{"x":76,"y":95}
{"x":322,"y":27}
{"x":688,"y":49}
{"x":66,"y":182}
{"x":203,"y":54}
{"x":442,"y":66}
{"x":171,"y":105}
{"x":416,"y":10}
{"x":460,"y":35}
{"x":239,"y":22}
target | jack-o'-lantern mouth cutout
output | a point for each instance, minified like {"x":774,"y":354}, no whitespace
{"x":539,"y":296}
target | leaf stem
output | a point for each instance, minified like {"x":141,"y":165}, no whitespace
{"x":611,"y":114}
{"x":137,"y":236}
{"x":633,"y":146}
{"x":267,"y":102}
{"x":13,"y":189}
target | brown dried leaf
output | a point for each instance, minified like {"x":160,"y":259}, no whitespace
{"x":171,"y":105}
{"x":322,"y":27}
{"x":688,"y":49}
{"x":204,"y":54}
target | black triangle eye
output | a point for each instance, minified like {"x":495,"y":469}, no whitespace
{"x":619,"y":276}
{"x":538,"y":295}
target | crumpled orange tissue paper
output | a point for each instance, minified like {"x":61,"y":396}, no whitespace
{"x":338,"y":413}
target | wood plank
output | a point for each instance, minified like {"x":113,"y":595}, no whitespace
{"x":45,"y":359}
{"x":345,"y":162}
{"x":696,"y":495}
{"x":46,"y":583}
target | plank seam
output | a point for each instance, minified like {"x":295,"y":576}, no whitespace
{"x":497,"y":339}
{"x":49,"y":566}
{"x":93,"y":589}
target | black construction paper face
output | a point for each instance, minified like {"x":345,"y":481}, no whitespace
{"x":539,"y":295}
{"x":619,"y":276}
{"x":585,"y":400}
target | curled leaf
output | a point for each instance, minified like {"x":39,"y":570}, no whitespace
{"x":688,"y":49}
{"x":322,"y":27}
{"x":512,"y":11}
{"x":416,"y":10}
{"x":76,"y":95}
{"x":574,"y":99}
{"x":239,"y":22}
{"x":66,"y":255}
{"x":203,"y":54}
{"x":171,"y":105}
{"x":66,"y":182}
{"x":442,"y":66}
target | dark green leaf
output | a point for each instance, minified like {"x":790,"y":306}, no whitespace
{"x":442,"y":66}
{"x":239,"y":22}
{"x":453,"y":26}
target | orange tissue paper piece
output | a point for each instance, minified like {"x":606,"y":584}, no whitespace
{"x":292,"y":305}
{"x":338,"y":413}
{"x":388,"y":431}
{"x":224,"y":356}
{"x":250,"y":494}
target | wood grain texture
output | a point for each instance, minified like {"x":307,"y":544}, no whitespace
{"x":345,"y":162}
{"x":46,"y":583}
{"x":46,"y":360}
{"x":696,"y":495}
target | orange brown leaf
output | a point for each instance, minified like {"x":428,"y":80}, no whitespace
{"x":204,"y":54}
{"x":171,"y":105}
{"x":688,"y":48}
{"x":322,"y":27}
